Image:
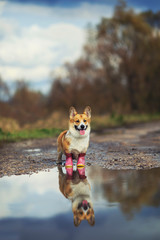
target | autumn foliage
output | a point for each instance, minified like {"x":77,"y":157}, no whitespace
{"x":119,"y":69}
{"x":118,"y":72}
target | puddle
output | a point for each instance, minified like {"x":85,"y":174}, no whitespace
{"x":38,"y":152}
{"x":119,"y":205}
{"x":33,"y":150}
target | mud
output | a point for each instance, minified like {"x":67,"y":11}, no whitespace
{"x":134,"y":147}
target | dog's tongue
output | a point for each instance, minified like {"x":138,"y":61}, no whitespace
{"x":84,"y":202}
{"x":82,"y":132}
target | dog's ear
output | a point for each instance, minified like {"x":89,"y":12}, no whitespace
{"x":72,"y":112}
{"x":77,"y":221}
{"x":91,"y":220}
{"x":87,"y":111}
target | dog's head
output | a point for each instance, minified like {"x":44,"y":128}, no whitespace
{"x":83,"y":210}
{"x":79,"y":124}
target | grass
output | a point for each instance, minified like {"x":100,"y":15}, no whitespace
{"x":28,"y":134}
{"x":35,"y":131}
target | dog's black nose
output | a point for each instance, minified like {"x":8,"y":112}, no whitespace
{"x":85,"y":207}
{"x":82,"y":126}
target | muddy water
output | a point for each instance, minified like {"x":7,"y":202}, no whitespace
{"x":123,"y":204}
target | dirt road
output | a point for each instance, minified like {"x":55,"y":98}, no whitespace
{"x":136,"y":147}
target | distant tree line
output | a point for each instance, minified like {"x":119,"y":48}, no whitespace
{"x":25,"y":105}
{"x":118,"y":72}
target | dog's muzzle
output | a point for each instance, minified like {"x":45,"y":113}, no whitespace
{"x":82,"y":127}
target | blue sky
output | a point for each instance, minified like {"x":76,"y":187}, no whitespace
{"x":37,"y":36}
{"x":72,"y":3}
{"x":154,"y":4}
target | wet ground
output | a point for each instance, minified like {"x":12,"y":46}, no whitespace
{"x":126,"y":205}
{"x":119,"y":190}
{"x":136,"y":147}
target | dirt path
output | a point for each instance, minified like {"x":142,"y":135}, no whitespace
{"x":136,"y":147}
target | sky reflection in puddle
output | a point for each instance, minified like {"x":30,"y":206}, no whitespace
{"x":126,"y":205}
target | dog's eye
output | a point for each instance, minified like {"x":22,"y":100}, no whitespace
{"x":84,"y":120}
{"x":77,"y":121}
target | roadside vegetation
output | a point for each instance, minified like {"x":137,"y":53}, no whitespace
{"x":47,"y":129}
{"x":28,"y":134}
{"x":115,"y":120}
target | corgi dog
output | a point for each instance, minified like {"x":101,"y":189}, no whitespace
{"x":77,"y":189}
{"x":75,"y":141}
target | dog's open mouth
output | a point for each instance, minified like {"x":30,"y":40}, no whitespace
{"x":81,"y":131}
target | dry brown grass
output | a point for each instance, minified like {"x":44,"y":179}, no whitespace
{"x":59,"y":120}
{"x":9,"y":125}
{"x":55,"y":120}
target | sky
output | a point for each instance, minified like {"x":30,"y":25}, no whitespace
{"x":37,"y":37}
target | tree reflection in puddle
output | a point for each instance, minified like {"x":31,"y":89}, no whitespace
{"x":126,"y":205}
{"x":131,"y":189}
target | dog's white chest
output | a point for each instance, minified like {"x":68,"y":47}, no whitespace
{"x":81,"y":189}
{"x":79,"y":144}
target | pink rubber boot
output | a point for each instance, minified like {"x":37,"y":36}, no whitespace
{"x":81,"y":160}
{"x":69,"y":172}
{"x":69,"y":161}
{"x":81,"y":171}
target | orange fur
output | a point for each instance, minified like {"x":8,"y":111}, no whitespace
{"x":63,"y":143}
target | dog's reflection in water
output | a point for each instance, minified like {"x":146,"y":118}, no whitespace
{"x":75,"y":186}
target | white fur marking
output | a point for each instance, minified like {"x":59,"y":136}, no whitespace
{"x":78,"y":142}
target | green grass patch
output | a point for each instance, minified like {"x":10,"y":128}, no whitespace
{"x":28,"y":134}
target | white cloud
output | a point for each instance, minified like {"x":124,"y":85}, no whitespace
{"x":30,"y":193}
{"x":36,"y":40}
{"x":14,"y":73}
{"x":59,"y":72}
{"x":7,"y":27}
{"x":32,"y":53}
{"x":36,"y":45}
